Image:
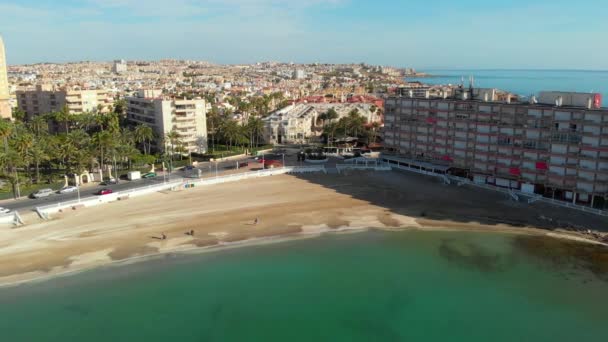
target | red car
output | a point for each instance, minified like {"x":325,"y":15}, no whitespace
{"x":104,"y":192}
{"x":271,"y":164}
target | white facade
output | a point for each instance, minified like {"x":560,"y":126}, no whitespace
{"x":299,"y":74}
{"x":187,"y":117}
{"x":299,"y":123}
{"x":5,"y":108}
{"x":120,"y":66}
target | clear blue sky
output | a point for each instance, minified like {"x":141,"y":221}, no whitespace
{"x":417,"y":33}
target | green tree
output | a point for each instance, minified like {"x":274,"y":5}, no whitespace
{"x":254,"y":130}
{"x":39,"y":125}
{"x":23,"y":143}
{"x":19,"y":115}
{"x":104,"y":142}
{"x":174,"y":140}
{"x":213,"y":122}
{"x":64,"y":117}
{"x":144,"y":134}
{"x":229,"y":131}
{"x":120,"y":107}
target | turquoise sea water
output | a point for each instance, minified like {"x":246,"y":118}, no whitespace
{"x":373,"y":286}
{"x":526,"y":82}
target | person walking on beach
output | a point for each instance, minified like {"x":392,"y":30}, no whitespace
{"x":164,"y":237}
{"x":255,"y":222}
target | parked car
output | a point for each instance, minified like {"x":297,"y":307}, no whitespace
{"x":149,"y":175}
{"x":42,"y":193}
{"x":188,"y":168}
{"x":133,"y":175}
{"x":4,"y":210}
{"x":271,"y":164}
{"x":109,"y":181}
{"x":104,"y":192}
{"x":68,"y":189}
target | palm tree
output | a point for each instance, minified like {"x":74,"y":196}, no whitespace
{"x":23,"y":143}
{"x":174,"y":140}
{"x":64,"y":116}
{"x":39,"y":125}
{"x":144,"y":134}
{"x":6,"y":130}
{"x":104,"y":141}
{"x":213,"y":121}
{"x":39,"y":153}
{"x":355,"y":122}
{"x":229,"y":131}
{"x":120,"y":107}
{"x":254,"y":129}
{"x":373,"y":132}
{"x":331,"y":114}
{"x":11,"y":160}
{"x":330,"y":131}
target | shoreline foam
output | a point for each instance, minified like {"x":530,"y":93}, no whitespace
{"x":281,"y":238}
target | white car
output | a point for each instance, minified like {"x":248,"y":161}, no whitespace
{"x":4,"y":210}
{"x":42,"y":193}
{"x":68,"y":189}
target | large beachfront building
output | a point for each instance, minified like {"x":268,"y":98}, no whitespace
{"x":44,"y":99}
{"x":165,"y":114}
{"x":555,"y":145}
{"x":5,"y":108}
{"x":300,"y":123}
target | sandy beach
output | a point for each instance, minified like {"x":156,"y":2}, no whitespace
{"x":287,"y":206}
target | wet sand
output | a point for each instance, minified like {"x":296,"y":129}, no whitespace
{"x":287,"y":206}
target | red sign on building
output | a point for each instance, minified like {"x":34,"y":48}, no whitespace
{"x":515,"y":171}
{"x":597,"y":100}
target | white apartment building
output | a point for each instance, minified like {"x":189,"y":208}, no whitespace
{"x":165,"y":114}
{"x":46,"y":99}
{"x":299,"y":74}
{"x":299,"y":123}
{"x":119,"y":66}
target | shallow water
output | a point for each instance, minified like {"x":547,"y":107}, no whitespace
{"x":373,"y":286}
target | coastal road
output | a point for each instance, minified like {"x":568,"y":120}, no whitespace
{"x":208,"y":170}
{"x":85,"y":191}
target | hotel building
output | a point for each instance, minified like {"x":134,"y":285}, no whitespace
{"x":5,"y":108}
{"x":164,"y":114}
{"x":46,"y":99}
{"x":555,"y":145}
{"x":299,"y":123}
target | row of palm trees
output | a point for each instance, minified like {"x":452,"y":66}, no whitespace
{"x":353,"y":125}
{"x":74,"y":143}
{"x":223,"y":129}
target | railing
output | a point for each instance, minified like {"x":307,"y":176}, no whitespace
{"x":44,"y":211}
{"x":374,"y":167}
{"x":511,"y":192}
{"x":570,"y":205}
